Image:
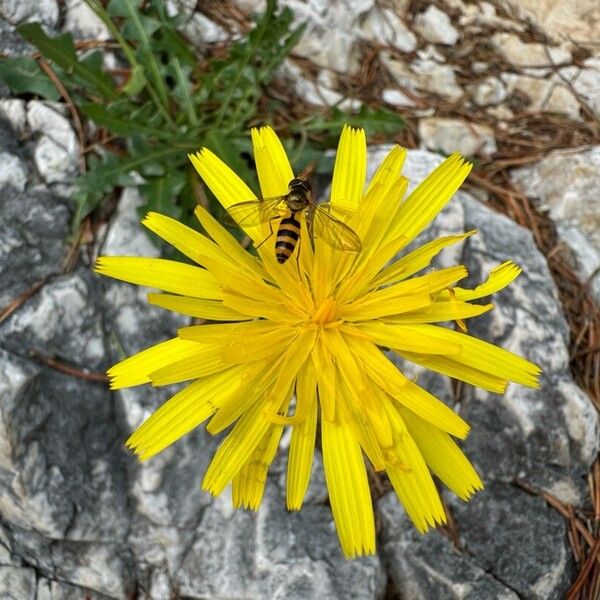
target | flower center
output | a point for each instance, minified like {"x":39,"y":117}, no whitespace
{"x":326,"y":313}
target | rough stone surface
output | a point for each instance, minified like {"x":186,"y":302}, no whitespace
{"x":19,"y":11}
{"x":382,"y":25}
{"x":453,"y":135}
{"x":543,"y":94}
{"x":12,"y":171}
{"x":82,"y":21}
{"x":489,"y":91}
{"x":585,"y":81}
{"x":522,"y":54}
{"x":563,"y":19}
{"x":574,"y":207}
{"x":56,"y":153}
{"x":424,"y":75}
{"x":435,"y":26}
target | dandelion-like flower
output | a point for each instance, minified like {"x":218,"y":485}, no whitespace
{"x":306,"y":342}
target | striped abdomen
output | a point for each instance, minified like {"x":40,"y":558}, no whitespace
{"x":287,"y":237}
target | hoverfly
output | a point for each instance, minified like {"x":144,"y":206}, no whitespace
{"x":287,"y":207}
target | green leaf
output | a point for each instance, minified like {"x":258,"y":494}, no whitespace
{"x":139,"y":27}
{"x":372,"y":120}
{"x":23,"y":75}
{"x":121,"y":125}
{"x":60,"y":50}
{"x":136,"y":82}
{"x":160,"y":193}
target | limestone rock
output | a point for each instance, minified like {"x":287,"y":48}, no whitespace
{"x":83,"y":23}
{"x":435,"y":26}
{"x":453,"y":135}
{"x":522,"y":54}
{"x":383,"y":26}
{"x":56,"y":153}
{"x":424,"y":75}
{"x":544,"y":94}
{"x":490,"y":91}
{"x":19,"y":11}
{"x":585,"y":81}
{"x":574,"y":207}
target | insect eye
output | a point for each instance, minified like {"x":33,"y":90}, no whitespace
{"x":294,"y":182}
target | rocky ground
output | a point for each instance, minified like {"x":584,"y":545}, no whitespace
{"x":80,"y":518}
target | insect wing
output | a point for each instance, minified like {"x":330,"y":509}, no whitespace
{"x":255,"y":212}
{"x":331,"y":230}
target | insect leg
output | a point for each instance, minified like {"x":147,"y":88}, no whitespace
{"x":270,"y":229}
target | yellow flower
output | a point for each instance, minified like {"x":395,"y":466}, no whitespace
{"x":304,"y":342}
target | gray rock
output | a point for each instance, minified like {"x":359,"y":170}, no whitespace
{"x":86,"y":519}
{"x":82,"y":22}
{"x":518,"y":540}
{"x":17,"y":583}
{"x":585,"y":81}
{"x":57,"y":150}
{"x":490,"y":91}
{"x":33,"y":228}
{"x":429,"y":566}
{"x":14,"y":111}
{"x":201,"y":30}
{"x":424,"y":74}
{"x":435,"y":26}
{"x":575,"y":207}
{"x":544,"y":94}
{"x":384,"y":26}
{"x":18,"y":11}
{"x":12,"y":171}
{"x":396,"y":97}
{"x":454,"y":135}
{"x":304,"y":563}
{"x":523,"y":54}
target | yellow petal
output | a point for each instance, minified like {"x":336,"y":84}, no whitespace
{"x":272,"y":164}
{"x":350,"y":169}
{"x":443,"y":456}
{"x":166,"y":275}
{"x":387,"y":376}
{"x":391,"y":335}
{"x":416,"y":286}
{"x":474,"y":353}
{"x":205,"y":361}
{"x":348,"y":489}
{"x":183,"y":412}
{"x":302,"y":445}
{"x":200,"y":308}
{"x":439,"y":311}
{"x":189,"y":242}
{"x":429,"y":197}
{"x":298,"y":350}
{"x":447,"y":366}
{"x":248,"y":485}
{"x":411,"y":479}
{"x":498,"y":279}
{"x":227,"y":187}
{"x":235,"y":450}
{"x":258,"y":379}
{"x":238,"y":446}
{"x":387,"y":174}
{"x":230,"y":246}
{"x":376,"y":309}
{"x":417,"y":259}
{"x":136,"y":369}
{"x":353,"y":386}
